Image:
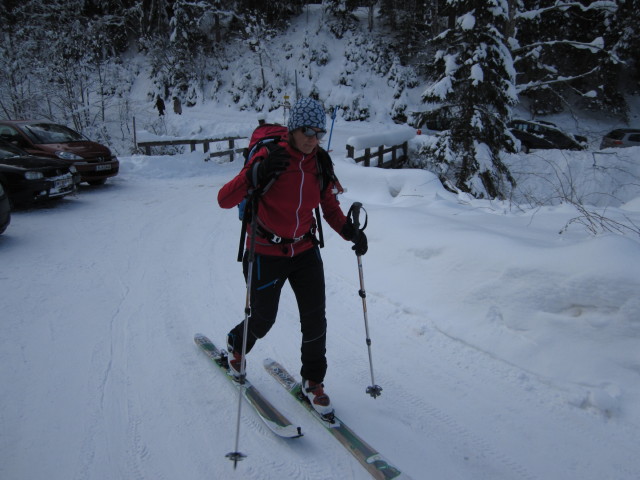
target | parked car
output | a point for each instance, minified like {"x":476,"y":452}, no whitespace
{"x":26,"y":178}
{"x":622,"y":137}
{"x":94,"y":161}
{"x":540,"y":134}
{"x":5,"y":210}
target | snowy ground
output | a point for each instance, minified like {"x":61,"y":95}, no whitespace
{"x":505,"y":349}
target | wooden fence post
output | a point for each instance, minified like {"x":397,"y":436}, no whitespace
{"x":350,"y":152}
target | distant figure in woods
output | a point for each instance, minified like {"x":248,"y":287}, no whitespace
{"x":177,"y":107}
{"x":160,"y":105}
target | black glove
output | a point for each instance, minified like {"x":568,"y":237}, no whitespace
{"x":359,"y":239}
{"x":360,"y":244}
{"x":270,"y":167}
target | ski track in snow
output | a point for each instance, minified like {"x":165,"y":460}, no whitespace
{"x":482,"y":375}
{"x":425,"y":419}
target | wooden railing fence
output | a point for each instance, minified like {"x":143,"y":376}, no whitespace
{"x":231,"y":150}
{"x":395,"y":160}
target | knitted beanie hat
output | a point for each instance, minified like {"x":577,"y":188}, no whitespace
{"x":307,"y":112}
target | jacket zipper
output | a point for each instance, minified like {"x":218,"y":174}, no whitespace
{"x":301,"y":189}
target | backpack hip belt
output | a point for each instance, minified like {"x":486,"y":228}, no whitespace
{"x":278,"y":240}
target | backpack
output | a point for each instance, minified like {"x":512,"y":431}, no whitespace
{"x":269,"y":135}
{"x":265,"y":135}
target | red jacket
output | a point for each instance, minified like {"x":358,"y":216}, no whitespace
{"x":286,"y":208}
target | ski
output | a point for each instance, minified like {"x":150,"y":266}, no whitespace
{"x":276,"y":422}
{"x":369,"y":458}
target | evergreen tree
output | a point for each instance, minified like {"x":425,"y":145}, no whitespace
{"x":183,"y":37}
{"x":387,"y":13}
{"x":476,"y":89}
{"x":618,"y":68}
{"x":343,"y":17}
{"x":408,"y":23}
{"x":627,"y":43}
{"x":155,"y":17}
{"x":560,"y":51}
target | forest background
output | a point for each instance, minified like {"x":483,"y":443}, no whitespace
{"x":474,"y":62}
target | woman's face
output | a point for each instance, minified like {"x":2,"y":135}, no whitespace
{"x":303,"y":142}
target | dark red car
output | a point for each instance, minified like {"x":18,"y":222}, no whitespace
{"x":94,"y":162}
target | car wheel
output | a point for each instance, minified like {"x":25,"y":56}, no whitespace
{"x":95,"y":183}
{"x":524,"y":148}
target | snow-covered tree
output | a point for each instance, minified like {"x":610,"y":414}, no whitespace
{"x":475,"y":87}
{"x":627,"y":43}
{"x":155,"y":19}
{"x":409,"y":24}
{"x":56,"y":61}
{"x":618,"y":71}
{"x":559,"y":51}
{"x":342,"y":15}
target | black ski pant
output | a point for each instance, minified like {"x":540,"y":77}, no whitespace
{"x":305,"y":273}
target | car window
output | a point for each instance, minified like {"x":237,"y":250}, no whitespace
{"x":52,"y":133}
{"x":616,"y":134}
{"x":8,"y":134}
{"x":635,"y":137}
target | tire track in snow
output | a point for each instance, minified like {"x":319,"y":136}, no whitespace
{"x":93,"y":431}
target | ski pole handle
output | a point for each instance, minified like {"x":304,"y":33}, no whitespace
{"x":354,"y":215}
{"x":333,"y":119}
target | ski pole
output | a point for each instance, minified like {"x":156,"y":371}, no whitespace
{"x":354,"y":214}
{"x":236,"y":455}
{"x":333,"y":119}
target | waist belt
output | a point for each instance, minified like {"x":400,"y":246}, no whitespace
{"x":278,"y":240}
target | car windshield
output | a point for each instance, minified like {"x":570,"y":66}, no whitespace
{"x":52,"y":133}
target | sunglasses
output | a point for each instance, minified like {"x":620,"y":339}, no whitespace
{"x":310,"y":132}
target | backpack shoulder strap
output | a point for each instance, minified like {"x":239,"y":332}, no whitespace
{"x":326,"y":171}
{"x":327,"y":176}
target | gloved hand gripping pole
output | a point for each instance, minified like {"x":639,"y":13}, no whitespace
{"x":354,"y":215}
